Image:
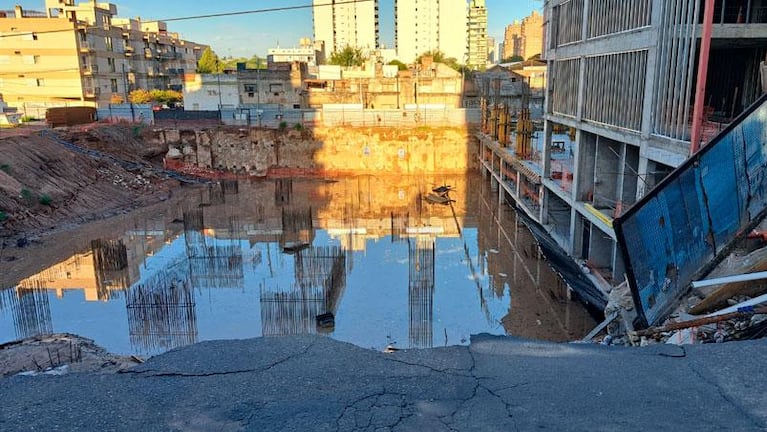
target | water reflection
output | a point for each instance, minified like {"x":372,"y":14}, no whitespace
{"x":267,"y":258}
{"x":161,"y":312}
{"x":30,"y":309}
{"x":421,"y":291}
{"x":320,"y":281}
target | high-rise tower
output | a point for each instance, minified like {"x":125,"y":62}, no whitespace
{"x":339,"y":23}
{"x":430,"y":25}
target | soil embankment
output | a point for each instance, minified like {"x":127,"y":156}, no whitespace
{"x":46,"y":186}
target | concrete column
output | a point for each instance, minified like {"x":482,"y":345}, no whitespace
{"x":643,"y":175}
{"x":648,"y":107}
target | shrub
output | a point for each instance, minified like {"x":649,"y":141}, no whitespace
{"x":6,"y":168}
{"x":27,"y":195}
{"x":3,"y":216}
{"x":45,"y":199}
{"x":283,"y":125}
{"x":298,"y":126}
{"x":27,"y":118}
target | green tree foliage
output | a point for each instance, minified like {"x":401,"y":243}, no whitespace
{"x":439,"y":57}
{"x":208,"y":62}
{"x":142,"y":96}
{"x":399,"y":64}
{"x":254,"y":62}
{"x":349,"y":56}
{"x":513,"y":59}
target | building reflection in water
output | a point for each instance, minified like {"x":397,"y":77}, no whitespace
{"x":320,"y":281}
{"x":161,"y":312}
{"x":421,"y":291}
{"x":214,"y":256}
{"x":110,"y":262}
{"x":293,"y":243}
{"x":30,"y":309}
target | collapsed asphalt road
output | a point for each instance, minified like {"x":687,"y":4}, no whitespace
{"x":308,"y":383}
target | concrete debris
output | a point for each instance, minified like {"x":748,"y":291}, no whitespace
{"x":620,"y":302}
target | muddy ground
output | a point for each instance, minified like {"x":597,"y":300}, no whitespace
{"x":47,"y":190}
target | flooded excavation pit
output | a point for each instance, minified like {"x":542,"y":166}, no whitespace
{"x":400,"y":262}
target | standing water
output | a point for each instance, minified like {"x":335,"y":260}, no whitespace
{"x":380,"y":261}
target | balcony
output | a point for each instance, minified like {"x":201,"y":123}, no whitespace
{"x":128,"y":51}
{"x":166,"y":56}
{"x":90,"y":69}
{"x":148,"y":53}
{"x":86,"y":47}
{"x":91,"y":92}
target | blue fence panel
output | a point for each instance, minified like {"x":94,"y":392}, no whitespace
{"x":683,"y":227}
{"x":720,"y":183}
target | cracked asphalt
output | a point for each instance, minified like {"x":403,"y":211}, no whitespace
{"x":313,"y":383}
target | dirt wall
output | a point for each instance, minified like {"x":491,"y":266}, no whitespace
{"x":334,"y":150}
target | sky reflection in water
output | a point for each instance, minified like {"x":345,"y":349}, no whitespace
{"x":266,"y":258}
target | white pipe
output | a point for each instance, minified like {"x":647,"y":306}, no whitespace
{"x":728,"y":279}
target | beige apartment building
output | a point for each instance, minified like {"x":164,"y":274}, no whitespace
{"x":524,"y":38}
{"x":83,"y":55}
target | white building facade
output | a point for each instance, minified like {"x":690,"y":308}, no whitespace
{"x":339,"y":23}
{"x":430,"y":25}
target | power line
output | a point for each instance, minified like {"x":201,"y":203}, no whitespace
{"x":194,"y":17}
{"x":255,"y":11}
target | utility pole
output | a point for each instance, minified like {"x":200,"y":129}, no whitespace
{"x":220,"y":102}
{"x":127,"y":95}
{"x":258,"y":92}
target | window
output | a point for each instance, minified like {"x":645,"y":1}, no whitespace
{"x":108,"y":41}
{"x":113,"y":84}
{"x":39,"y":82}
{"x":31,"y":59}
{"x":250,"y":88}
{"x":275,"y":88}
{"x":30,"y":36}
{"x":111,"y":63}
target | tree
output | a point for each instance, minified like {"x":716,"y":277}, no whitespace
{"x":254,"y":62}
{"x":155,"y":96}
{"x":208,"y":62}
{"x":139,"y":96}
{"x":513,"y":59}
{"x":349,"y":56}
{"x":439,"y":57}
{"x":399,"y":64}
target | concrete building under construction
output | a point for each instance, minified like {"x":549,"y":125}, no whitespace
{"x":619,"y":110}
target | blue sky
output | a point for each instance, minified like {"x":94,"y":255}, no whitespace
{"x":250,"y":34}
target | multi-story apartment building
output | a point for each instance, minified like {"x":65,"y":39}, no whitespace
{"x":477,"y":35}
{"x":432,"y":25}
{"x":619,"y":106}
{"x":342,"y":23}
{"x":83,"y":55}
{"x":524,"y":38}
